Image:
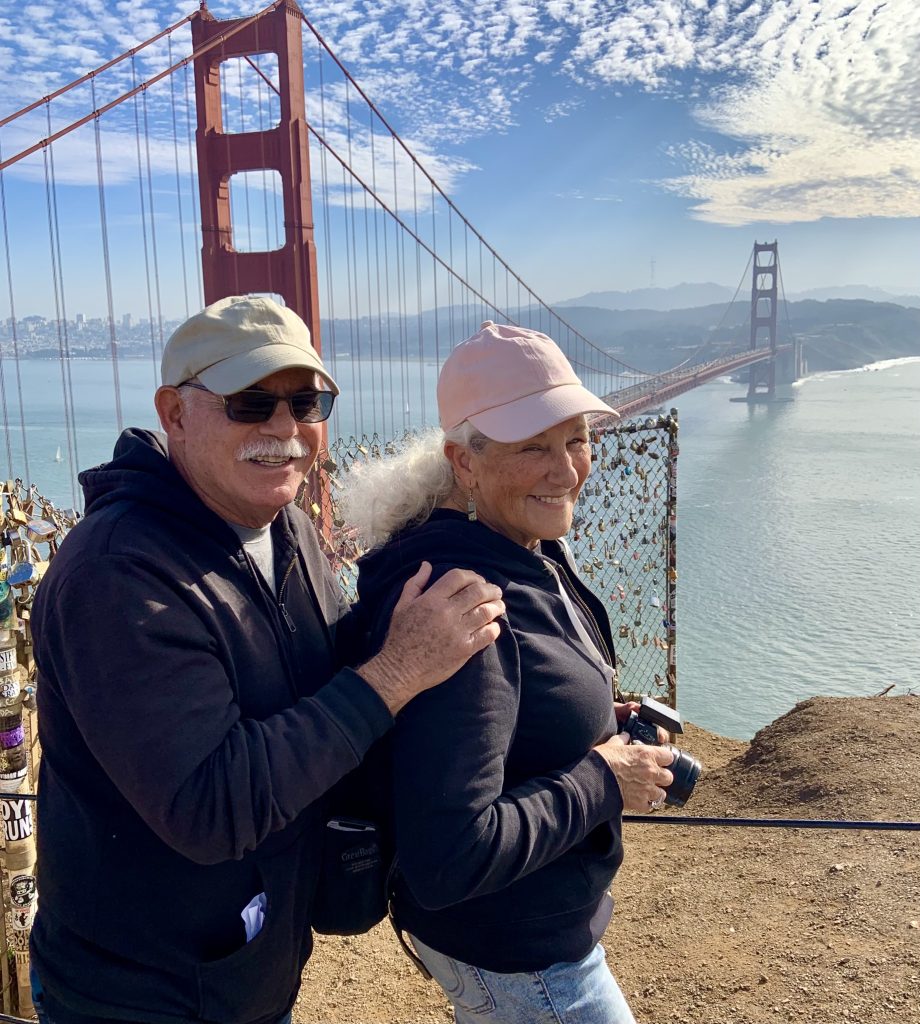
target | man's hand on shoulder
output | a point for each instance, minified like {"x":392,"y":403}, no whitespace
{"x":433,"y":633}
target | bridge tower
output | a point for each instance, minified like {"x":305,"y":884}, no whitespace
{"x":290,"y":270}
{"x":762,"y":380}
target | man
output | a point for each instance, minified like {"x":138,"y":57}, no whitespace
{"x":193,"y":706}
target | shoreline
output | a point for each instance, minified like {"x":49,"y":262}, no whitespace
{"x":877,"y":365}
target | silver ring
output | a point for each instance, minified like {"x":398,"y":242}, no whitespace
{"x":655,"y":804}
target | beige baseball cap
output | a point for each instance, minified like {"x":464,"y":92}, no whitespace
{"x":237,"y":341}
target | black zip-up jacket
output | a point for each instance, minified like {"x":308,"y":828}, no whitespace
{"x":191,"y":722}
{"x":507,"y":824}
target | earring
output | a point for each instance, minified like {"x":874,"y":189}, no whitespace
{"x":471,"y":508}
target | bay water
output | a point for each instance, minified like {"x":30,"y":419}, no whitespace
{"x":798,"y":523}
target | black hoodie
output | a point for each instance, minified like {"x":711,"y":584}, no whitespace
{"x":507,"y":825}
{"x":191,"y":722}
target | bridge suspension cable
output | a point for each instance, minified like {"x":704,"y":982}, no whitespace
{"x":143,"y":211}
{"x":15,"y":339}
{"x":90,"y":75}
{"x":107,"y":266}
{"x":785,"y":303}
{"x":618,"y":366}
{"x":57,"y":272}
{"x":97,"y":112}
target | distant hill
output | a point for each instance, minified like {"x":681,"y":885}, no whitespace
{"x":857,"y":291}
{"x":840,"y":333}
{"x":686,"y":296}
{"x":680,"y":296}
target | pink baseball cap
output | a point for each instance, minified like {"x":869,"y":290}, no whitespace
{"x":511,"y":383}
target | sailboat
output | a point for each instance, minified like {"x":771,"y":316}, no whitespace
{"x":57,"y":455}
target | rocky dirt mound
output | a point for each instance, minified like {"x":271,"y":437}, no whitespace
{"x":734,"y":925}
{"x":829,"y":757}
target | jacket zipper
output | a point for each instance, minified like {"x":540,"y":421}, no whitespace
{"x":595,"y":628}
{"x":284,"y":612}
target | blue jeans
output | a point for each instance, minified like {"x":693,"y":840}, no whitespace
{"x":581,"y":993}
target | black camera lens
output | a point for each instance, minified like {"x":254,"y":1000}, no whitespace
{"x":686,"y":770}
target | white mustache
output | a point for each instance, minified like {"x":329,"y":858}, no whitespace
{"x":273,"y":448}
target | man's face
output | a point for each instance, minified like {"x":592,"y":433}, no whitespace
{"x":245,"y":472}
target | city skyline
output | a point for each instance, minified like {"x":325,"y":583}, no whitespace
{"x":595,"y":147}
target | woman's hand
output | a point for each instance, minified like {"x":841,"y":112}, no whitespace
{"x":623,"y":711}
{"x":639,"y":769}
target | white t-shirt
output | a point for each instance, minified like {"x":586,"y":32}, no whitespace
{"x":257,"y":543}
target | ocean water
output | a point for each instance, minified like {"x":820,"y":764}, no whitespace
{"x":798,"y":523}
{"x":798,"y":557}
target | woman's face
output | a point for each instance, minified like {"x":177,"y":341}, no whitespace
{"x":527,"y":490}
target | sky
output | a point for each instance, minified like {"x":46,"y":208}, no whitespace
{"x":596,"y":145}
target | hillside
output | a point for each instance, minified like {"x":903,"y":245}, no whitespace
{"x":839,"y":334}
{"x":734,"y":925}
{"x":685,"y":295}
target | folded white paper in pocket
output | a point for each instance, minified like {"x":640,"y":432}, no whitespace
{"x":253,"y":915}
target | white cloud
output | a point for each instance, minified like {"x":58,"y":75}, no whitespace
{"x":562,"y":108}
{"x":796,"y":87}
{"x":387,"y":170}
{"x":817,"y":104}
{"x":75,"y":162}
{"x":828,"y":127}
{"x":579,"y":194}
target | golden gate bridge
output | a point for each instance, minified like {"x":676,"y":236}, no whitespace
{"x":246,"y":158}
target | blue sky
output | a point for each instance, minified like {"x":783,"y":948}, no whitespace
{"x":584,"y":139}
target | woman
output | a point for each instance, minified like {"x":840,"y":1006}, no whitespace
{"x":509,"y":778}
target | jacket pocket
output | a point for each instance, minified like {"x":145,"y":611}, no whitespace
{"x":600,"y":856}
{"x":258,"y":980}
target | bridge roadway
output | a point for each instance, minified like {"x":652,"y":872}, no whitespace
{"x":662,"y":388}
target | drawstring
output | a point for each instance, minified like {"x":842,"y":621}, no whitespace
{"x":583,"y":635}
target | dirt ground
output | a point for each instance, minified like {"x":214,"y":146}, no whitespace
{"x":730,"y":925}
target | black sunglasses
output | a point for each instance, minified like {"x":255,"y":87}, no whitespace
{"x":254,"y":406}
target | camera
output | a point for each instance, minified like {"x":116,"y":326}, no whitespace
{"x":642,"y":727}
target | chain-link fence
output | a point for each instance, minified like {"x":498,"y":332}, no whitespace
{"x":31,"y":529}
{"x":623,"y":539}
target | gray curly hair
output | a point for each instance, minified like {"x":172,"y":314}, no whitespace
{"x":381,"y":497}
